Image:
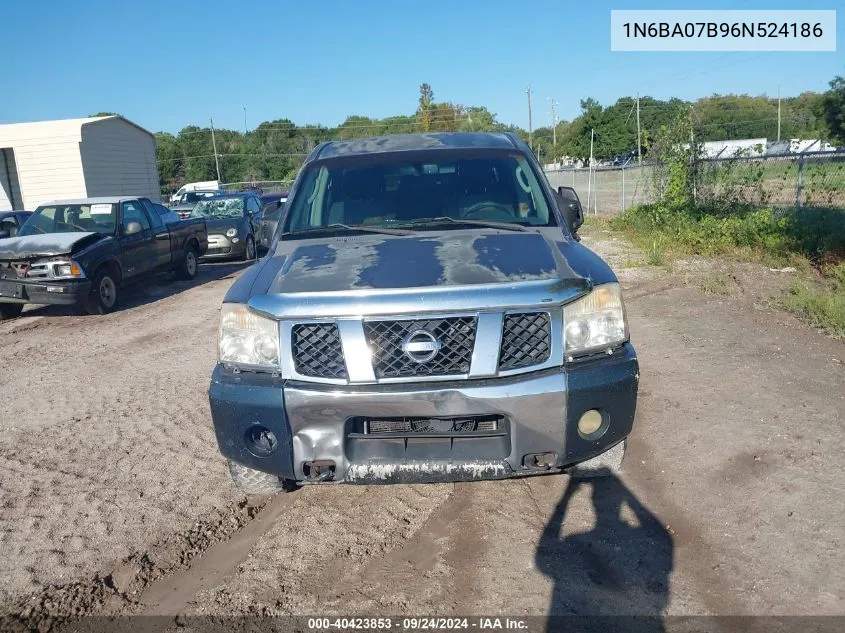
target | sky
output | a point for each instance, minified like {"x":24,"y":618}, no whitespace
{"x":169,"y":64}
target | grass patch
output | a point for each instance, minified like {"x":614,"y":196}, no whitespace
{"x":767,"y":235}
{"x":808,"y":239}
{"x":714,"y":286}
{"x":654,"y":254}
{"x":820,"y":306}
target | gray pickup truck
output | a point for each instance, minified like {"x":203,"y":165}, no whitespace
{"x":425,"y":313}
{"x":81,"y":252}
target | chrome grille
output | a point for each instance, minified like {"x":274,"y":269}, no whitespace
{"x":317,"y":350}
{"x":526,"y":340}
{"x":412,"y":426}
{"x":385,"y":338}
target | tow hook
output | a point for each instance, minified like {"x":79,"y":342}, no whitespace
{"x":539,"y":461}
{"x":319,"y":470}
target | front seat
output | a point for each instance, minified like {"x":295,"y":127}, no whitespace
{"x":362,"y":197}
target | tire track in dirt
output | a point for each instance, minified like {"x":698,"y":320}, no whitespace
{"x":416,"y":558}
{"x":120,"y":590}
{"x":171,"y":594}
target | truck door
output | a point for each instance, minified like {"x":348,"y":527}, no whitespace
{"x":137,"y":246}
{"x":161,"y":235}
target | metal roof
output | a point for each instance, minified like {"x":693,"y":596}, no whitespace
{"x":101,"y":200}
{"x":12,"y":131}
{"x":416,"y":142}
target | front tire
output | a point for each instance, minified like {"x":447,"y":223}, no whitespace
{"x":103,"y":296}
{"x":607,"y":464}
{"x":256,"y":482}
{"x":189,"y":266}
{"x":249,"y":251}
{"x":10,"y":310}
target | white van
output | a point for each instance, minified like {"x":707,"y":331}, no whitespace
{"x":193,"y":186}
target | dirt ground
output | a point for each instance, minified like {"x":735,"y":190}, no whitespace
{"x":113,"y":498}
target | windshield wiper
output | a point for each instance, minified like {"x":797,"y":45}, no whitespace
{"x":347,"y":227}
{"x":507,"y":226}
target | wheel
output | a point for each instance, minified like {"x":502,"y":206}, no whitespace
{"x":103,"y":296}
{"x":249,"y":251}
{"x":604,"y":465}
{"x":256,"y":482}
{"x":188,"y":267}
{"x":10,"y":310}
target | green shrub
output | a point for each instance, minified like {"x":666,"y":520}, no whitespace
{"x":816,"y":234}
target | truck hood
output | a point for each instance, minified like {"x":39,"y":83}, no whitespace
{"x":44,"y":245}
{"x":383,"y":262}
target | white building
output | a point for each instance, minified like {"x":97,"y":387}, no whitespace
{"x":75,"y":158}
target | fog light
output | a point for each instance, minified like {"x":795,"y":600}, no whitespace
{"x":591,"y":424}
{"x":261,"y":441}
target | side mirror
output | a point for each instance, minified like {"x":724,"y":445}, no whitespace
{"x":132,"y":228}
{"x":571,"y":208}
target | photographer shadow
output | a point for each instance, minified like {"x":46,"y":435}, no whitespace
{"x":614,"y":576}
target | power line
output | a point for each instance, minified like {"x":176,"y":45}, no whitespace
{"x":294,"y":127}
{"x":736,"y":122}
{"x":250,"y":155}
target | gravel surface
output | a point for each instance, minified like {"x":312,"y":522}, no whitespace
{"x":113,"y":498}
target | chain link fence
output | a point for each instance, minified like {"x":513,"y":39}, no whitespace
{"x":607,"y":190}
{"x":791,"y":181}
{"x":264,"y":186}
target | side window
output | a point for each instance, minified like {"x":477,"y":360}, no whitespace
{"x":152,"y":214}
{"x":9,"y":225}
{"x":252,"y":205}
{"x":132,"y":212}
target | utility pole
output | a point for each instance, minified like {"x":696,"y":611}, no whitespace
{"x":554,"y":122}
{"x":778,"y":112}
{"x":693,"y":151}
{"x":590,"y":171}
{"x":214,"y":145}
{"x":639,"y":139}
{"x":530,"y":130}
{"x":246,"y":130}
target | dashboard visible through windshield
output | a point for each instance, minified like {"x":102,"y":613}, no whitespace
{"x":72,"y":218}
{"x":395,"y":190}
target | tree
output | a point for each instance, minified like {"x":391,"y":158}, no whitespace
{"x":833,"y":109}
{"x":104,"y":114}
{"x":424,"y":111}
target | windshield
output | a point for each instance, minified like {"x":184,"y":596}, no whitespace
{"x":219,"y":208}
{"x":72,"y":218}
{"x":396,"y":189}
{"x":196,"y":196}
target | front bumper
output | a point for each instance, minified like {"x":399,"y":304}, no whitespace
{"x":311,"y":423}
{"x":220,"y":246}
{"x":44,"y":292}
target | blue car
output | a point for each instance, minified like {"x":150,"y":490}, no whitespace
{"x":12,"y":221}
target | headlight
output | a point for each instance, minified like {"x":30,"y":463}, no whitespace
{"x":595,"y":322}
{"x":231,"y":232}
{"x":71,"y":269}
{"x":247,"y":338}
